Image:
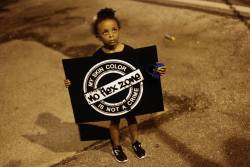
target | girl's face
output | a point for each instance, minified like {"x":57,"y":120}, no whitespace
{"x":108,"y":32}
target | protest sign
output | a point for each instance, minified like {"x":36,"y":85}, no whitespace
{"x":103,"y":87}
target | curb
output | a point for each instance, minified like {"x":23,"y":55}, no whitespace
{"x":206,"y":6}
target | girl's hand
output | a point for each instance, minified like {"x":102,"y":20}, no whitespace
{"x":160,"y":68}
{"x":67,"y":83}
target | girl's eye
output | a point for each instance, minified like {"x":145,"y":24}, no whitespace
{"x":105,"y":33}
{"x":115,"y":30}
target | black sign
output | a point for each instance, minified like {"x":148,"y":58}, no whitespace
{"x":103,"y":87}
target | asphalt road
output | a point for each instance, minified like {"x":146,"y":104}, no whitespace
{"x":206,"y":88}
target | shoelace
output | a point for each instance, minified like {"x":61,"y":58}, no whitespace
{"x":134,"y":146}
{"x":117,"y":151}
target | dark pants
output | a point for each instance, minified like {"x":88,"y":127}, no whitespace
{"x":130,"y":119}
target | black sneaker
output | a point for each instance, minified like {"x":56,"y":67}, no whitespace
{"x":119,"y":154}
{"x":139,"y":151}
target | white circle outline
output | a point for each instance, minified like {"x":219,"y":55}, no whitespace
{"x":112,"y":61}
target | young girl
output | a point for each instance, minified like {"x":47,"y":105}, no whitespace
{"x":106,"y":28}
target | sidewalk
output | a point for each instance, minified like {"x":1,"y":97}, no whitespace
{"x":206,"y":6}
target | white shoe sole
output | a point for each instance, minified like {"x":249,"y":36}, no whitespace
{"x":141,"y":157}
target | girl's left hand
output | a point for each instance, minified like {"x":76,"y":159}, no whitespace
{"x":161,"y":69}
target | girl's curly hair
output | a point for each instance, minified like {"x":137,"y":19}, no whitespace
{"x":103,"y":14}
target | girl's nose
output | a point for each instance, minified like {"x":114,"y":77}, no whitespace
{"x":111,"y":34}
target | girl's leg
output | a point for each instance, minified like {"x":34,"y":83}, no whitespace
{"x":115,"y":139}
{"x":114,"y":132}
{"x":136,"y":145}
{"x":133,"y":130}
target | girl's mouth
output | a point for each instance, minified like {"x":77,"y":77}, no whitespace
{"x":113,"y":42}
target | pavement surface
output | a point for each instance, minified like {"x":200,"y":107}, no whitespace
{"x":206,"y":121}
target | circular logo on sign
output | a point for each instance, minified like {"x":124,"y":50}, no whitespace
{"x":113,"y":87}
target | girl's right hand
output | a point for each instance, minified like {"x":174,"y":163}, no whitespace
{"x":67,"y":83}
